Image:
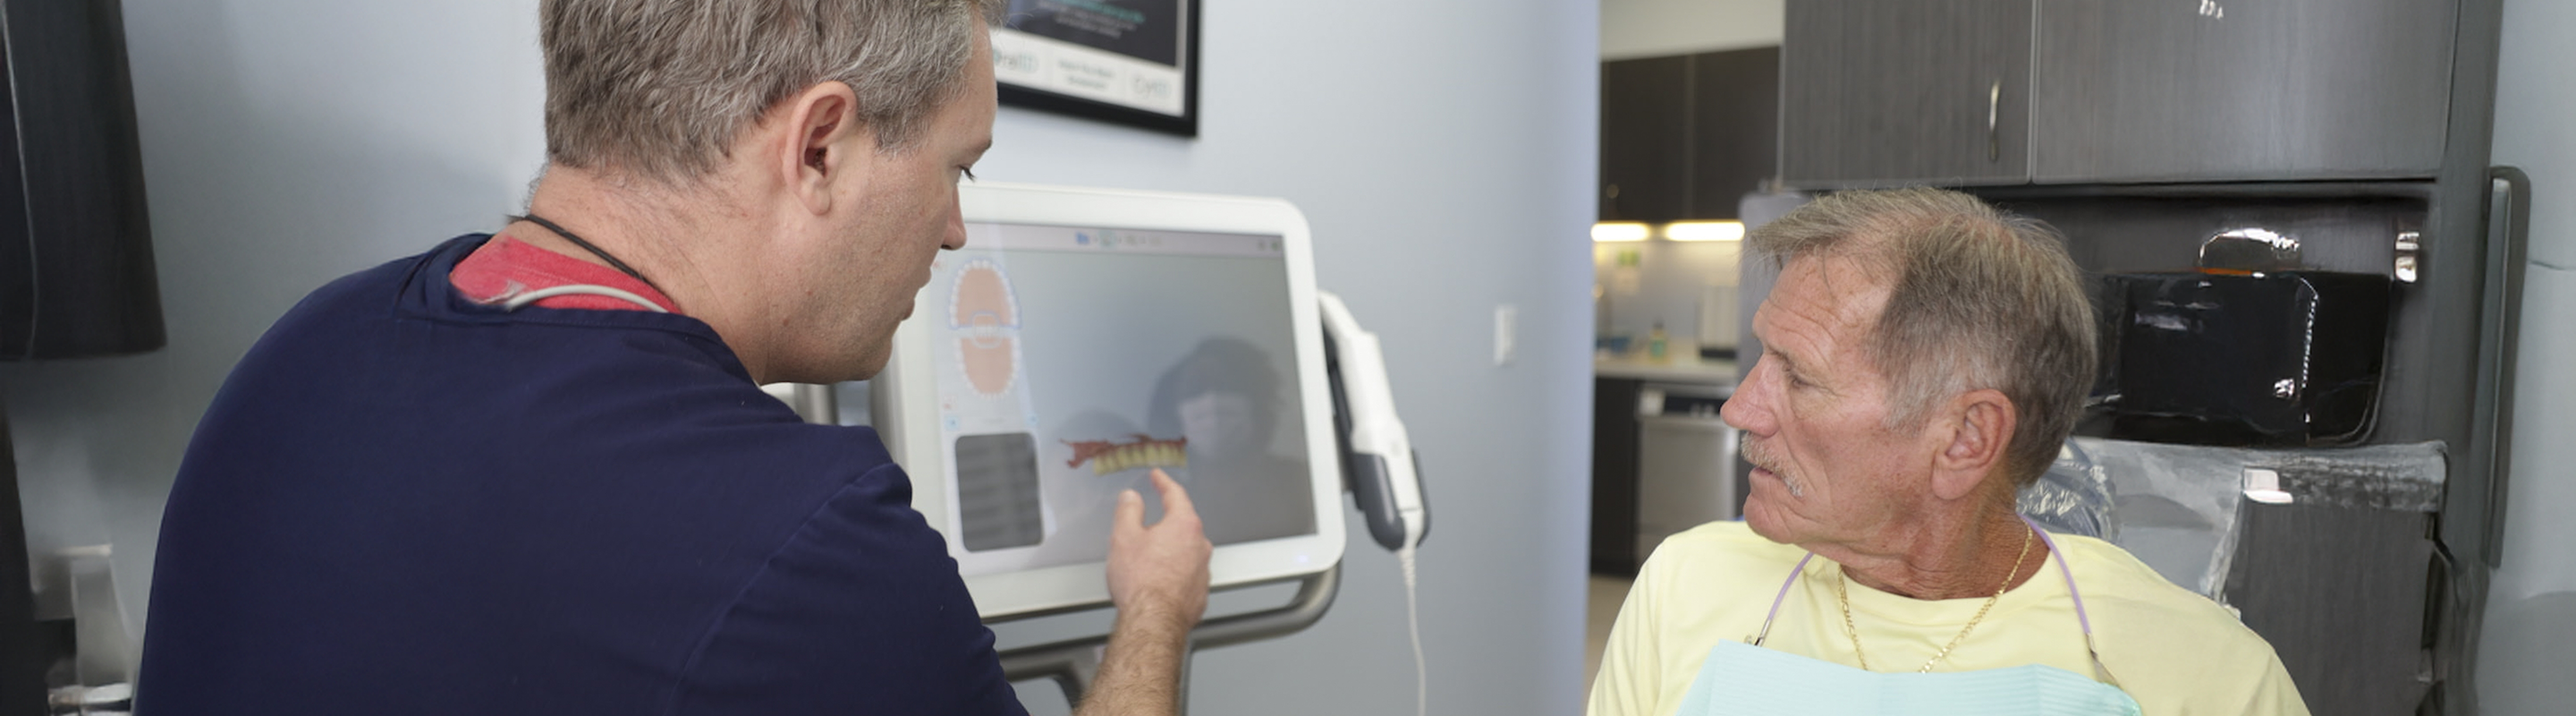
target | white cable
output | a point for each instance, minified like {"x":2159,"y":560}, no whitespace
{"x":1413,"y":624}
{"x":582,"y":289}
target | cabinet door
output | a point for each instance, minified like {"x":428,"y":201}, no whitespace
{"x":1614,"y":476}
{"x":2240,"y":89}
{"x":1645,"y":169}
{"x":1880,"y":92}
{"x":1735,"y":127}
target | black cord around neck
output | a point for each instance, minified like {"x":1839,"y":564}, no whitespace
{"x":533,"y":218}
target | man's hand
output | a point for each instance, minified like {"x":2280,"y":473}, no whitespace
{"x":1161,"y":571}
{"x":1158,"y":578}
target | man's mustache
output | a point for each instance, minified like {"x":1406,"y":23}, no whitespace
{"x":1759,"y":455}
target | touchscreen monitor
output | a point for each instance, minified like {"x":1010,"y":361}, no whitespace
{"x":1083,"y":338}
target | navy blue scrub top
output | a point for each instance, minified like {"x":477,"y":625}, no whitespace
{"x":404,"y":502}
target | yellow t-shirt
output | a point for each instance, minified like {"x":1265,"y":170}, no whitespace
{"x":2173,"y":651}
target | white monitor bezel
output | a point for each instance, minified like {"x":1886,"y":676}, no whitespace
{"x":912,"y":435}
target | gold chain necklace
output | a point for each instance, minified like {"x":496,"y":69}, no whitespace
{"x":1842,"y":595}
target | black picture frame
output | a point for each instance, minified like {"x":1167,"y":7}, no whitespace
{"x":1186,"y":123}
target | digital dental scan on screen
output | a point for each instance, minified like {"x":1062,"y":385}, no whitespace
{"x":1066,"y":362}
{"x":1042,"y":440}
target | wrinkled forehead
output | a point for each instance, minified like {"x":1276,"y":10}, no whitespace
{"x":1841,"y":291}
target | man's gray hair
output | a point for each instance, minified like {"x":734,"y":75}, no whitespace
{"x":1981,"y":299}
{"x":661,"y":88}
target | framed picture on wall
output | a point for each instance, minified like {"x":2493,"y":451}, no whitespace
{"x":1133,"y":62}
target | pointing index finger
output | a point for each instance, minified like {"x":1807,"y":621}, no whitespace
{"x":1131,"y":513}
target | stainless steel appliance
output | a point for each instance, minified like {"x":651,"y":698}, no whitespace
{"x":1685,"y":461}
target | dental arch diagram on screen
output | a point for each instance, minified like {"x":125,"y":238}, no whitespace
{"x":983,"y":309}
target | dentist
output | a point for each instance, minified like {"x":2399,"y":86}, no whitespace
{"x":533,"y":472}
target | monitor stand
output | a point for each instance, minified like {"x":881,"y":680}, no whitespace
{"x":1073,"y":663}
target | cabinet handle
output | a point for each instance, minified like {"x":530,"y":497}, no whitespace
{"x":2508,"y":250}
{"x":1994,"y":112}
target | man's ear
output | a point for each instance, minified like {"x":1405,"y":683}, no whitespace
{"x":1981,"y":424}
{"x":817,"y":151}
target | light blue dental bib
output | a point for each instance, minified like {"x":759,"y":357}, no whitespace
{"x":1744,"y":678}
{"x":1747,"y":679}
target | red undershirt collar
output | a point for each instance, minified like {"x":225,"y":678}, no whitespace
{"x":504,"y":267}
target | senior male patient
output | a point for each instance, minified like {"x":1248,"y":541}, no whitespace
{"x":1924,"y":355}
{"x":534,"y":473}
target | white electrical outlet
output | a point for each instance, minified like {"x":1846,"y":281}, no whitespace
{"x":1507,"y":330}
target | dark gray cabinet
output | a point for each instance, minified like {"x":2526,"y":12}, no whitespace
{"x":1969,"y":92}
{"x":1614,"y":476}
{"x":1687,"y":136}
{"x":2230,"y":90}
{"x":1879,"y":92}
{"x":1735,"y":128}
{"x":1645,"y":127}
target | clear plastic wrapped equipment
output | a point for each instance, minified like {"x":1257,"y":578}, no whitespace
{"x":2074,"y":497}
{"x":2178,"y":507}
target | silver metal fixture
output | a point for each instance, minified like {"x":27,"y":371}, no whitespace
{"x":2250,"y":249}
{"x":2410,"y":244}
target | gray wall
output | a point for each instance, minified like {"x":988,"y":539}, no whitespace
{"x":285,"y":142}
{"x":1442,"y":149}
{"x":2530,"y":634}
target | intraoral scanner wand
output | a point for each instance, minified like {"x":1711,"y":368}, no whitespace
{"x":1377,"y":457}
